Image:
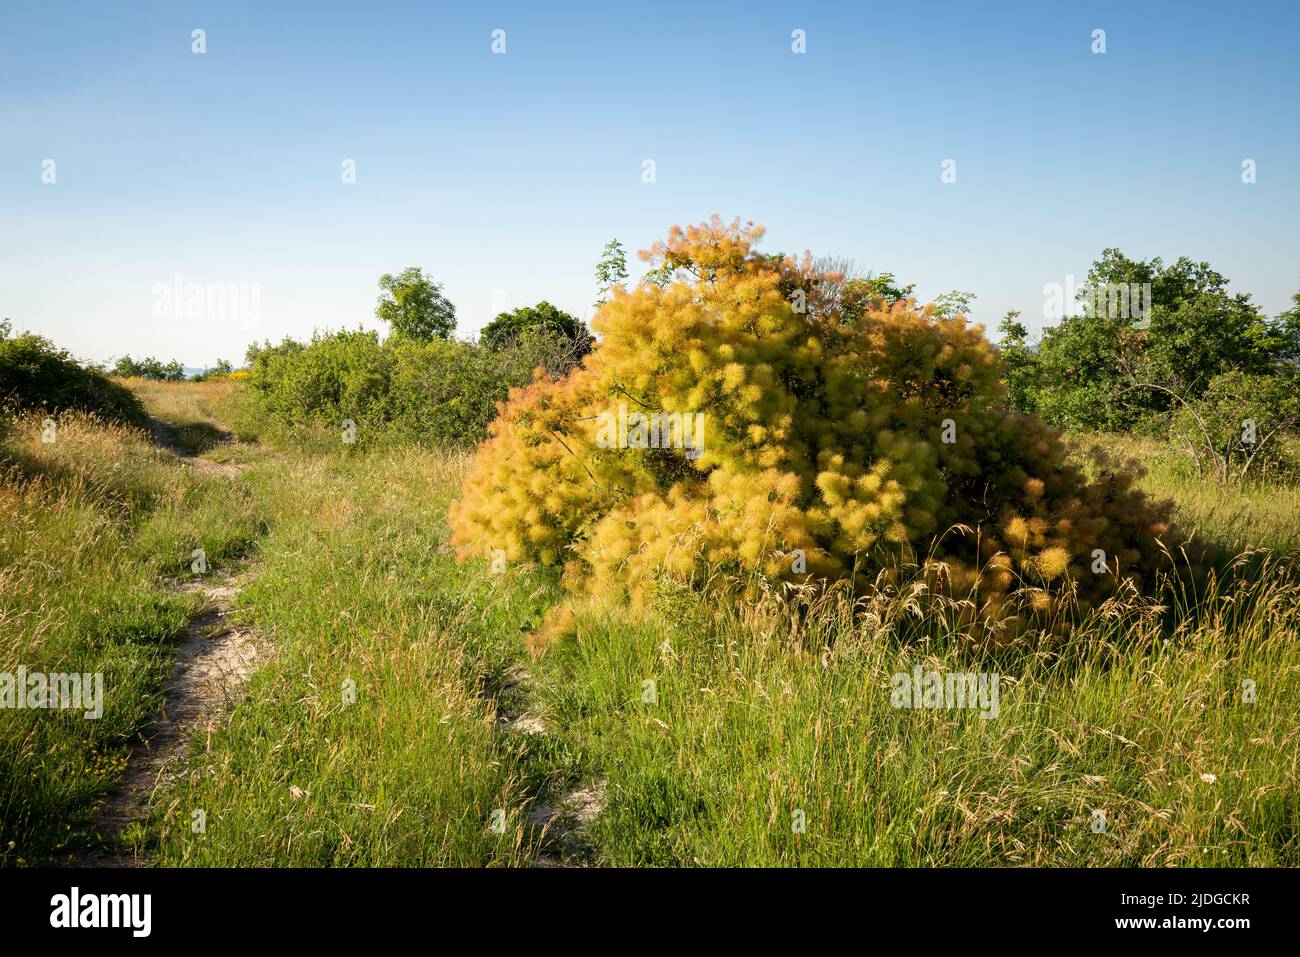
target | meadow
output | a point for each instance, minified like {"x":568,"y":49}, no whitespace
{"x":406,"y":716}
{"x":98,"y":524}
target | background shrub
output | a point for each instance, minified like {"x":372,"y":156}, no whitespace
{"x":222,"y":370}
{"x":34,"y":375}
{"x":1238,"y":428}
{"x":1105,"y":370}
{"x":436,"y":392}
{"x":510,"y":328}
{"x":1111,"y":371}
{"x":148,"y":368}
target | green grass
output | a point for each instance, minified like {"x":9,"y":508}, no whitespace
{"x":755,"y":721}
{"x":749,"y":727}
{"x":94,"y":524}
{"x":356,"y":589}
{"x":1238,"y":517}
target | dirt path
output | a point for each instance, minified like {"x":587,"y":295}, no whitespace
{"x":167,"y":436}
{"x":212,"y":663}
{"x":561,"y":822}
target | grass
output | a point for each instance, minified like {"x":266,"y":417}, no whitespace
{"x":372,"y":739}
{"x":374,"y":734}
{"x":204,"y":418}
{"x":1258,"y":514}
{"x":187,"y":404}
{"x":96,"y":522}
{"x":750,"y":729}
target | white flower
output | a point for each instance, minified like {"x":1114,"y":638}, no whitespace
{"x":1208,"y":778}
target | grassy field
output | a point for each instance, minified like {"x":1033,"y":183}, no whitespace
{"x":1237,"y":517}
{"x":382,"y":730}
{"x":97,"y":523}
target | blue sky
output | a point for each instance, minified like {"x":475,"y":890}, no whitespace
{"x":503,"y":175}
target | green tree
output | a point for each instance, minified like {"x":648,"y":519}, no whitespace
{"x":1284,"y":334}
{"x":1111,"y":371}
{"x":221,"y":370}
{"x":857,"y":295}
{"x":955,"y":303}
{"x":611,"y":269}
{"x":1238,"y":427}
{"x":148,"y":368}
{"x":1020,"y":370}
{"x":508,"y":328}
{"x":414,"y":307}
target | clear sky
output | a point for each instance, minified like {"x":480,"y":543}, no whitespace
{"x":503,"y":175}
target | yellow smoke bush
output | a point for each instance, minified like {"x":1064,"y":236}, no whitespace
{"x":736,"y":420}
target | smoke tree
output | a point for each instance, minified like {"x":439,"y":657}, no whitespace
{"x":836,"y":444}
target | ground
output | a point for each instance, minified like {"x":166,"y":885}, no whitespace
{"x":393,"y":713}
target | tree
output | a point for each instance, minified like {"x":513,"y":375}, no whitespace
{"x":148,"y":368}
{"x":954,"y":303}
{"x":1020,"y":367}
{"x":221,"y":370}
{"x":610,"y":270}
{"x":1117,"y":368}
{"x":859,"y":295}
{"x":508,"y":328}
{"x":414,"y":307}
{"x":1238,"y":428}
{"x":1284,"y":334}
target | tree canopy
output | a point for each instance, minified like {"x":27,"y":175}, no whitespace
{"x":414,"y":307}
{"x":509,"y":327}
{"x":1112,"y":369}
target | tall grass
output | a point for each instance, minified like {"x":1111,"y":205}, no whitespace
{"x":1262,"y":513}
{"x":372,"y":739}
{"x":375,"y":731}
{"x":94,"y":523}
{"x":750,"y":728}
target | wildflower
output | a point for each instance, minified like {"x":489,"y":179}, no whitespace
{"x":1208,"y":778}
